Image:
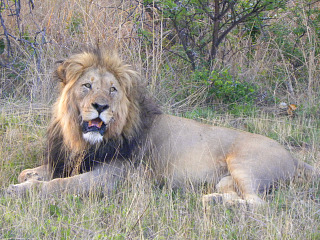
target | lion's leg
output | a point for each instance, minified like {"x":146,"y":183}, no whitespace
{"x":104,"y":177}
{"x":245,"y":180}
{"x":39,"y":173}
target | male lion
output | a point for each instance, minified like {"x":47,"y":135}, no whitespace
{"x":103,"y":120}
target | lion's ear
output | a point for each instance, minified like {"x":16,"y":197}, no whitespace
{"x":61,"y":72}
{"x":68,"y":70}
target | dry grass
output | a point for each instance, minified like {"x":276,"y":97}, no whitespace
{"x":54,"y":30}
{"x":139,"y":208}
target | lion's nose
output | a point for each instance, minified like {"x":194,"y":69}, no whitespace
{"x":100,"y":108}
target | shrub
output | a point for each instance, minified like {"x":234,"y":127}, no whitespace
{"x":225,"y":88}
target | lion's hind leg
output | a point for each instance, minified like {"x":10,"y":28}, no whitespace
{"x":247,"y":186}
{"x":39,"y":173}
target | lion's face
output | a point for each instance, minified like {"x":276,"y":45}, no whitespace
{"x":97,"y":101}
{"x":98,"y":95}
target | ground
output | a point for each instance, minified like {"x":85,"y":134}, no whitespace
{"x":140,"y":208}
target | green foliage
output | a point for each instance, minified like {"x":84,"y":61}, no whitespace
{"x":224,"y":87}
{"x":202,"y":25}
{"x":231,"y":90}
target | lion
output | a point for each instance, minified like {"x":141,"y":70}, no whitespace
{"x":104,"y":121}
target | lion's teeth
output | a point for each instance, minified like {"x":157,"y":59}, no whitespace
{"x":95,"y":123}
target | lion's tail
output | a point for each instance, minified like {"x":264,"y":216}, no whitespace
{"x":306,"y":171}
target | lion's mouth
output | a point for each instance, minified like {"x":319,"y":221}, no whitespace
{"x":94,"y":125}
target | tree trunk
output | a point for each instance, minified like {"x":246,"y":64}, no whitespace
{"x":215,"y":33}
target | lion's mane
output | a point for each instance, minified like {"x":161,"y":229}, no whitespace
{"x":65,"y":147}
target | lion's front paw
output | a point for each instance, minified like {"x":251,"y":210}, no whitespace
{"x":29,"y":174}
{"x":22,"y":188}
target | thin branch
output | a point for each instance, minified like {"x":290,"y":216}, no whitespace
{"x":6,"y":34}
{"x":240,"y":20}
{"x":184,"y":44}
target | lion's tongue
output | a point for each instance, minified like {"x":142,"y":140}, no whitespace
{"x":97,"y":122}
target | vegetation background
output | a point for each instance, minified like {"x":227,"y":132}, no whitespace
{"x":243,"y":69}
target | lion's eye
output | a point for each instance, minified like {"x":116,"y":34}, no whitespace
{"x":113,"y":89}
{"x":87,"y":85}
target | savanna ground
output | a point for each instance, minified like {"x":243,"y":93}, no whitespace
{"x":251,"y":76}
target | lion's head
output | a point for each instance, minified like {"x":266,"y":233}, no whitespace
{"x":101,"y":112}
{"x":98,"y":100}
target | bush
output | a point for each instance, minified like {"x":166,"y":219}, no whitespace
{"x":225,"y":88}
